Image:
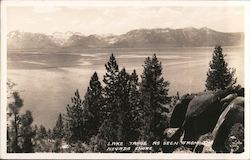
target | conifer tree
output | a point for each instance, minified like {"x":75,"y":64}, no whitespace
{"x":107,"y":132}
{"x":115,"y":126}
{"x":58,"y":130}
{"x":123,"y":122}
{"x":109,"y":129}
{"x":219,"y":76}
{"x":121,"y":108}
{"x":154,"y":90}
{"x":15,"y":122}
{"x":20,"y":133}
{"x":110,"y":81}
{"x":75,"y":119}
{"x":133,"y":117}
{"x":27,"y":134}
{"x":92,"y":107}
{"x":42,"y":133}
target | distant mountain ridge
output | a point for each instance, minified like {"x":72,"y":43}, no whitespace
{"x":138,"y":38}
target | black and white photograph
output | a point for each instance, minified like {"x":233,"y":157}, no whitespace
{"x":127,"y":79}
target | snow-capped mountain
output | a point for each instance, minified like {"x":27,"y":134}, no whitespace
{"x":62,"y":37}
{"x":26,"y":40}
{"x":147,"y":38}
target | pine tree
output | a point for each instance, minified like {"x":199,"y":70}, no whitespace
{"x":110,"y":81}
{"x":133,"y":116}
{"x":20,"y":132}
{"x":219,"y":76}
{"x":58,"y":130}
{"x":92,"y":107}
{"x":154,"y":91}
{"x":42,"y":133}
{"x":123,"y":122}
{"x":75,"y":119}
{"x":121,"y":108}
{"x":114,"y":100}
{"x":26,"y":132}
{"x":109,"y":128}
{"x":105,"y":134}
{"x":14,"y":123}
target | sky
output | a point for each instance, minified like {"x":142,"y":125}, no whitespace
{"x":119,"y":20}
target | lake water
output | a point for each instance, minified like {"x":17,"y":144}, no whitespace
{"x":47,"y":79}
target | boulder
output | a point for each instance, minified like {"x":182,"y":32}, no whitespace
{"x":224,"y":130}
{"x":197,"y":115}
{"x":179,"y":112}
{"x":202,"y":114}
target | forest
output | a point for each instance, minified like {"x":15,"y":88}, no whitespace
{"x":129,"y":113}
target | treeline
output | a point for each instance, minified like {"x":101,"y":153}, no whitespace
{"x":123,"y":110}
{"x":126,"y":109}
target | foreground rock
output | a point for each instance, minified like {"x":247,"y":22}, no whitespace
{"x":229,"y":131}
{"x":213,"y":117}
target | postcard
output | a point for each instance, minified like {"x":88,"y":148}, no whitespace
{"x":125,"y":79}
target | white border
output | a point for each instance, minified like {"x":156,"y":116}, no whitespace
{"x":4,"y":155}
{"x":3,"y":81}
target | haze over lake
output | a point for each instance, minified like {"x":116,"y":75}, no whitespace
{"x":46,"y":80}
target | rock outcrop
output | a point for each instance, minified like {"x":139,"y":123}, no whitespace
{"x":219,"y":114}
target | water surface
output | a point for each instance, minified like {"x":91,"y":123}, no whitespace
{"x":47,"y":79}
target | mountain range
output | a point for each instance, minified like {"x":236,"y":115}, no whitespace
{"x":138,"y":38}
